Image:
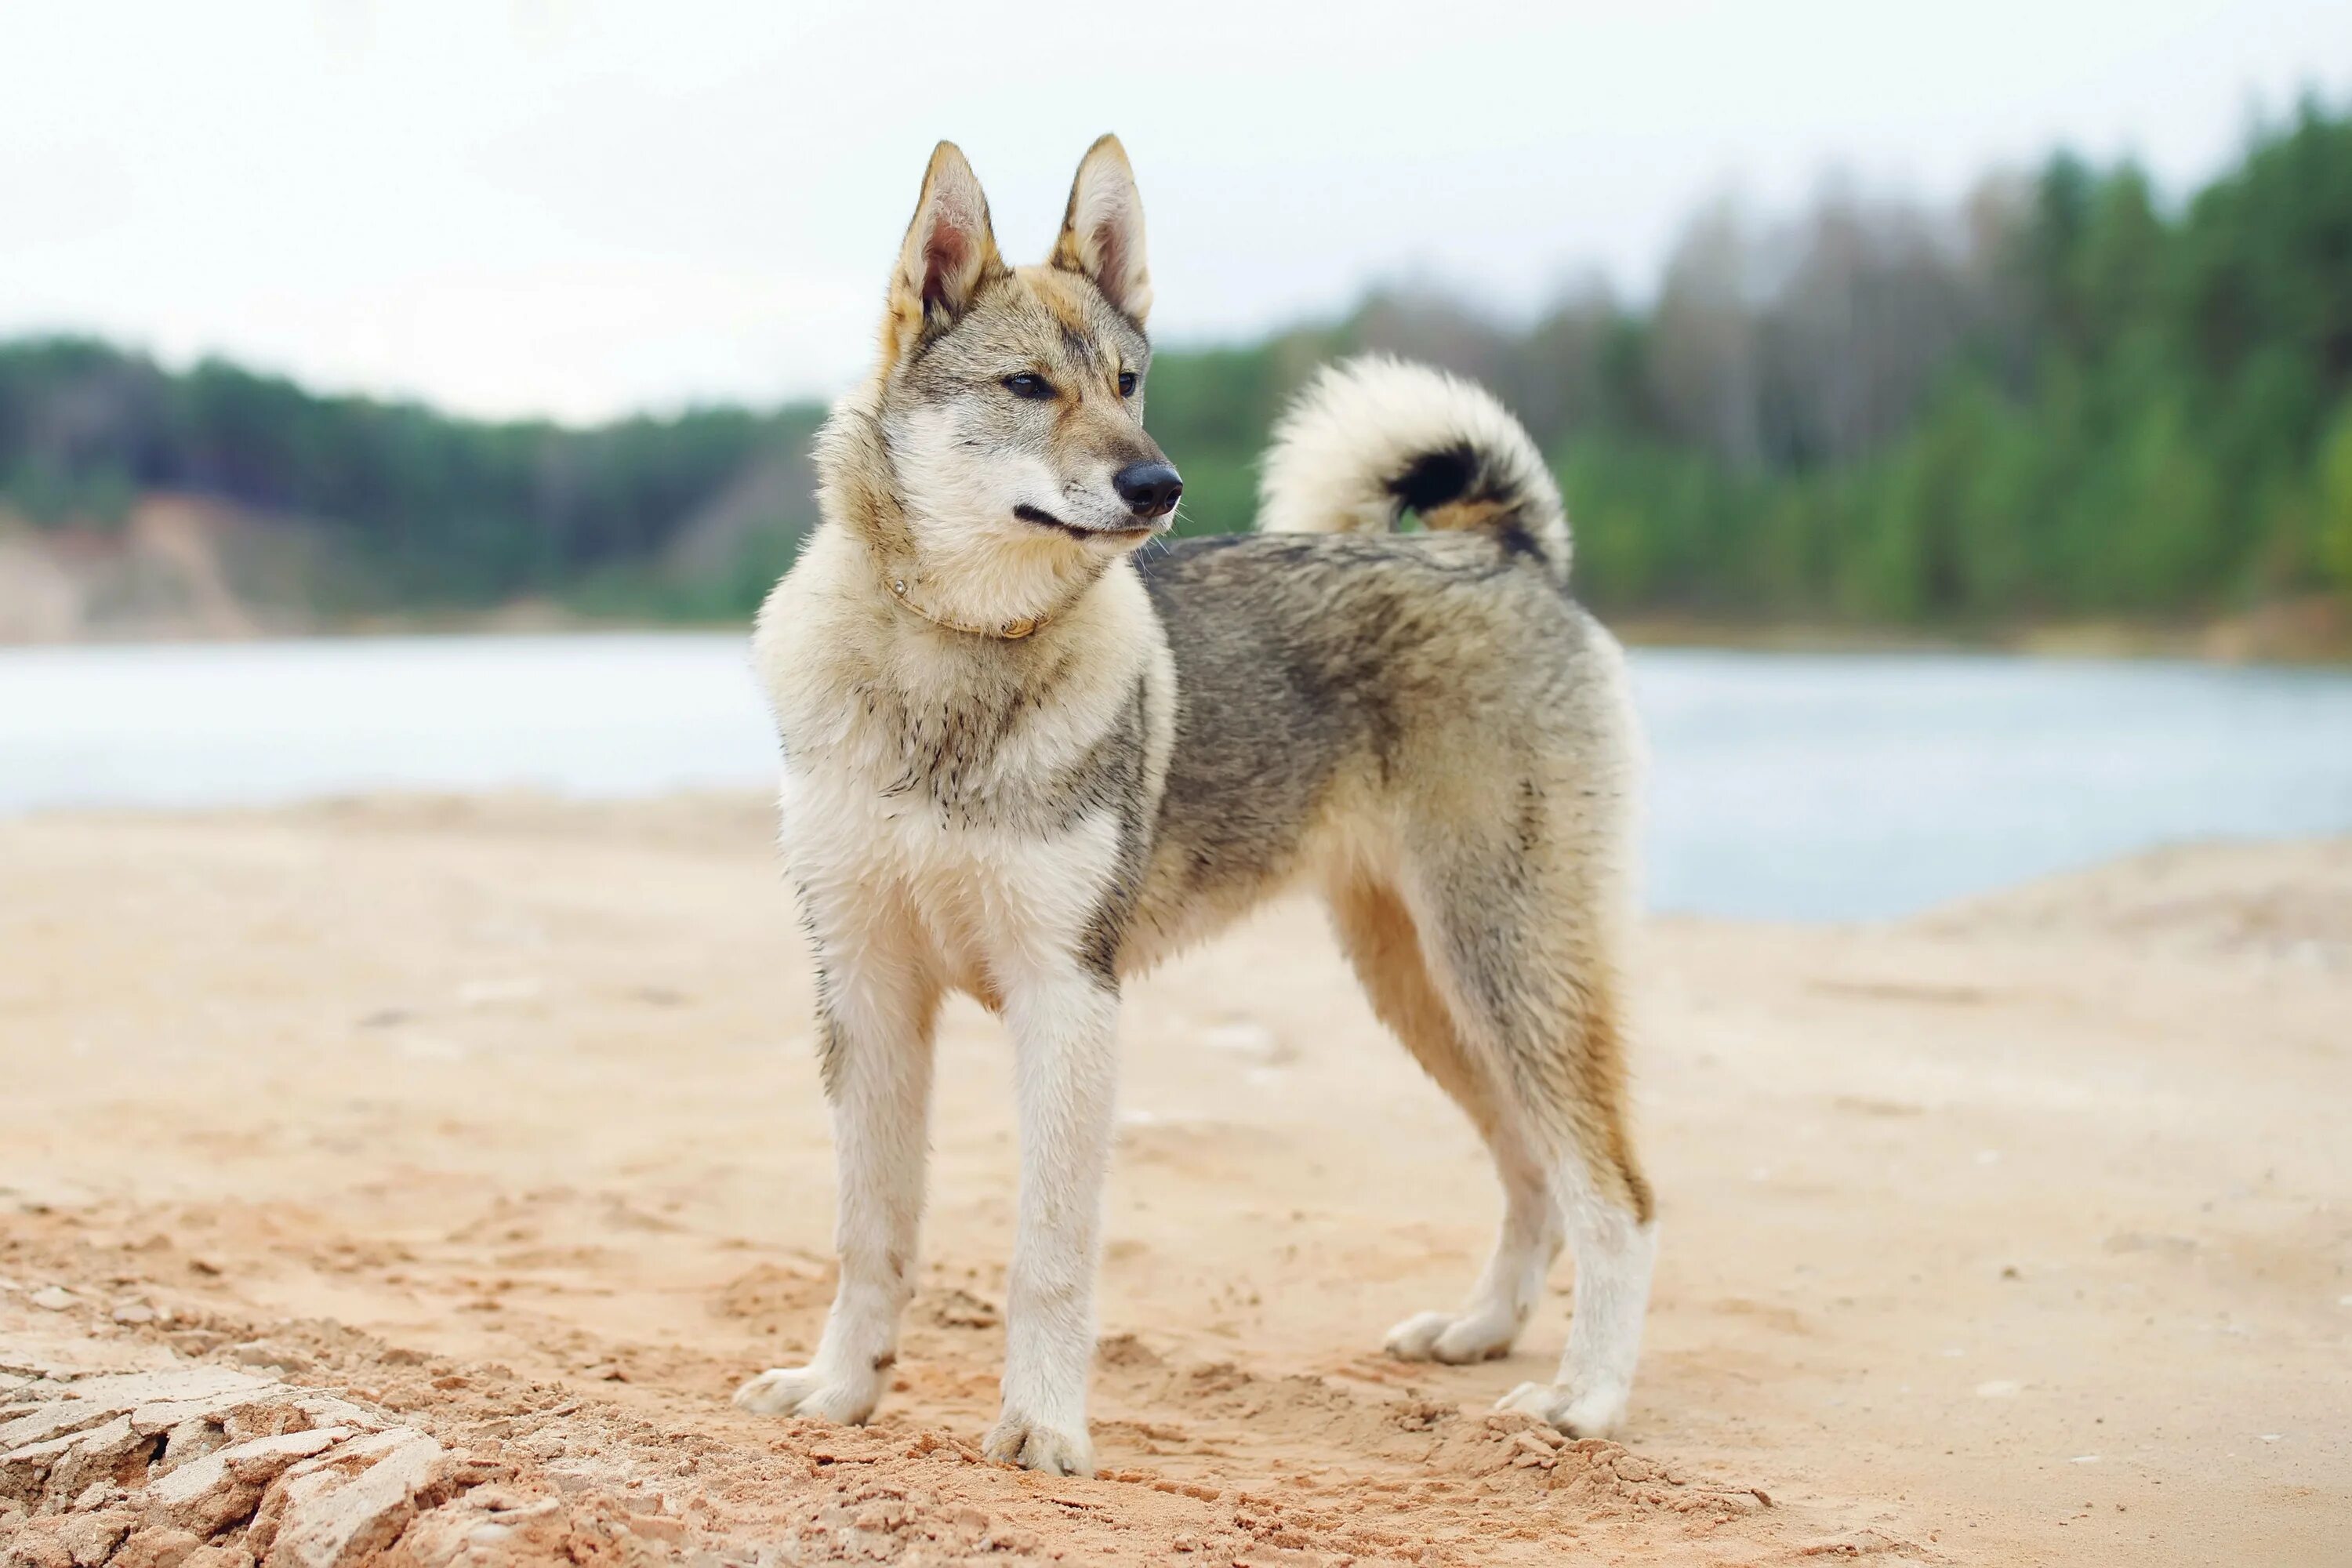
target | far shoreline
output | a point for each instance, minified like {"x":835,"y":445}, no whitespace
{"x":2307,"y":634}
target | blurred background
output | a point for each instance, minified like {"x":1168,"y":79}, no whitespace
{"x":1955,"y":403}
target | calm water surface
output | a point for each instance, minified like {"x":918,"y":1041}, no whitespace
{"x":1782,"y":785}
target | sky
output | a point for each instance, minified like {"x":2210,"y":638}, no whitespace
{"x":580,"y":208}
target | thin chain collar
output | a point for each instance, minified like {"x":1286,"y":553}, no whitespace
{"x":899,"y":576}
{"x":1014,"y":630}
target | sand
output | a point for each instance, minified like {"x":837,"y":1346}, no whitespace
{"x":483,"y":1138}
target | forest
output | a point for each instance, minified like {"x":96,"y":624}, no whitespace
{"x":2068,"y":396}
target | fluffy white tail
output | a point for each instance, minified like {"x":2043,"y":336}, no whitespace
{"x":1373,"y":436}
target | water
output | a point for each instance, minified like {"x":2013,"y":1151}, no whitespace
{"x":1792,"y":786}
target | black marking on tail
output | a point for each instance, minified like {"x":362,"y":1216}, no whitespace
{"x":1517,"y":540}
{"x":1436,"y":479}
{"x":1461,"y":475}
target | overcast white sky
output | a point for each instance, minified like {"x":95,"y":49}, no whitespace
{"x":580,"y":207}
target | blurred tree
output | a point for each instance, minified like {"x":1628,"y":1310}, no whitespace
{"x":2062,"y":396}
{"x":2334,"y":498}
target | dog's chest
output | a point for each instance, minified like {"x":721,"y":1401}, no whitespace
{"x":925,"y":766}
{"x":992,"y":825}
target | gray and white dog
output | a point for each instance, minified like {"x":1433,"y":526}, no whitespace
{"x":1021,"y":764}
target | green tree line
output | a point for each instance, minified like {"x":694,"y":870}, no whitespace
{"x":2065,"y":395}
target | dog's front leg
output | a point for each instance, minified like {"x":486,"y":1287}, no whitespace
{"x":1064,"y":1069}
{"x":876,"y":1027}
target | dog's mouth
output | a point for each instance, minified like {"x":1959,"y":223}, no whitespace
{"x":1141,"y":528}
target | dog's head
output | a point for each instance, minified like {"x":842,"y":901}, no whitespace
{"x":1012,"y":398}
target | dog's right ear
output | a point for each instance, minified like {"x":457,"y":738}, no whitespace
{"x":949,"y":254}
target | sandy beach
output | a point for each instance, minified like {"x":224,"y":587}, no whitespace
{"x":488,"y":1128}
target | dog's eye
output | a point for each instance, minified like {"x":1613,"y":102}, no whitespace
{"x":1028,"y":385}
{"x":1127,"y":383}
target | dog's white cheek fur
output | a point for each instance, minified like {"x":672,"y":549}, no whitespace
{"x":980,"y":562}
{"x":945,"y":479}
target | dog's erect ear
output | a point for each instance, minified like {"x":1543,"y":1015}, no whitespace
{"x":950,"y":251}
{"x":1102,"y":232}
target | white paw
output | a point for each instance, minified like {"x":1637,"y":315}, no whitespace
{"x":1036,"y":1446}
{"x":809,"y":1390}
{"x":1455,"y":1338}
{"x":1594,"y":1411}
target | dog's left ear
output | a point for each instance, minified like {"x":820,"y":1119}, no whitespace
{"x":1102,"y":232}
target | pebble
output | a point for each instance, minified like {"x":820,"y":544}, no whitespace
{"x":1247,"y":1037}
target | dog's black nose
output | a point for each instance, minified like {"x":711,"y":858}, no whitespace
{"x":1150,"y":488}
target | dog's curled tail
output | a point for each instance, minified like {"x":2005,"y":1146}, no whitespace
{"x":1370,"y":437}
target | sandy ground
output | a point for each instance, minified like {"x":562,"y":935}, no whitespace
{"x":2021,"y":1233}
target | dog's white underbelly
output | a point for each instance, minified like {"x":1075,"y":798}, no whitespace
{"x":986,"y":905}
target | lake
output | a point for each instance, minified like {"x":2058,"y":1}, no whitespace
{"x":1782,"y":785}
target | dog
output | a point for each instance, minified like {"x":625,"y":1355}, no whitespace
{"x":1022,"y":761}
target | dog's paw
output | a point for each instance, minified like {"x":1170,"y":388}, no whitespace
{"x":1037,"y":1445}
{"x":809,"y":1390}
{"x":1453,"y":1337}
{"x":1594,"y":1411}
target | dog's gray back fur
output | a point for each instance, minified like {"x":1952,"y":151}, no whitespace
{"x":1309,"y":666}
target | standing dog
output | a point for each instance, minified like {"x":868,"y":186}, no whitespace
{"x":1019,"y":765}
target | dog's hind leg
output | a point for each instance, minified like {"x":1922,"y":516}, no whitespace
{"x":1381,"y":940}
{"x":1613,"y":1231}
{"x":1521,"y":941}
{"x":877,"y":1005}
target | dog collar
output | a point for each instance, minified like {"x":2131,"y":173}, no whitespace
{"x":1014,"y":630}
